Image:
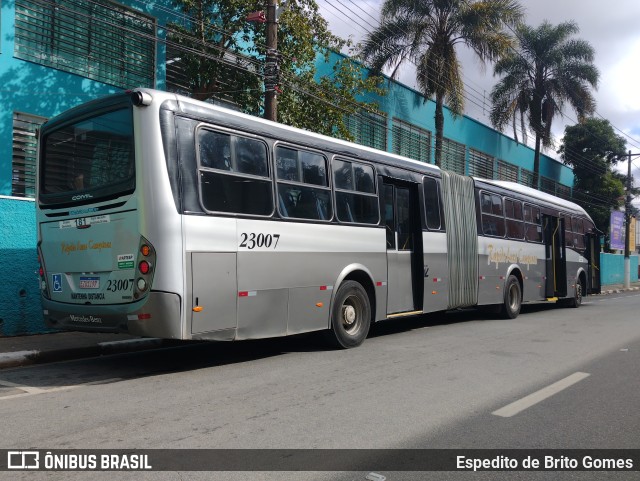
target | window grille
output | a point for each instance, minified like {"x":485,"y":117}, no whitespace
{"x":368,"y":129}
{"x":97,"y":39}
{"x":480,"y":165}
{"x":411,"y":141}
{"x":507,"y":171}
{"x":526,"y":178}
{"x":25,"y":142}
{"x":563,"y":191}
{"x":547,"y":185}
{"x":453,"y":155}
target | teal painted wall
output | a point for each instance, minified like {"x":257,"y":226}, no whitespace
{"x":32,"y":89}
{"x":20,"y":310}
{"x":36,"y":90}
{"x":612,"y":269}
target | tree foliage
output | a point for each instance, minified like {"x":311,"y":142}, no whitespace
{"x":221,"y":55}
{"x":549,"y":70}
{"x":592,"y":148}
{"x":427,"y":33}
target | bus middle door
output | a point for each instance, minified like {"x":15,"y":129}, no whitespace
{"x":593,"y":256}
{"x":404,"y":250}
{"x":556,"y":259}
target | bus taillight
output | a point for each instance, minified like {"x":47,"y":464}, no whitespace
{"x":145,"y":268}
{"x":44,"y":288}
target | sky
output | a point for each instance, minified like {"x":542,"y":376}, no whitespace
{"x":611,"y":28}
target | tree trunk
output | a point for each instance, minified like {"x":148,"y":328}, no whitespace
{"x":536,"y":163}
{"x":439,"y":118}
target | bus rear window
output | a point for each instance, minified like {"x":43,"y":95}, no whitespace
{"x":88,"y":160}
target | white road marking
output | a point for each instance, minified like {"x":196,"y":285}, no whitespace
{"x":538,"y":396}
{"x":30,"y":390}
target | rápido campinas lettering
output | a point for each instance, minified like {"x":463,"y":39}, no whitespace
{"x":499,"y":462}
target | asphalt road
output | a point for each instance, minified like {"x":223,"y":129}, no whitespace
{"x":554,"y":378}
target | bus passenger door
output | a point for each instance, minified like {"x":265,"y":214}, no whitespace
{"x":404,"y":248}
{"x":593,"y":257}
{"x":556,"y":259}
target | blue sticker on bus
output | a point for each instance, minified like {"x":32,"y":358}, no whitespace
{"x":57,"y":282}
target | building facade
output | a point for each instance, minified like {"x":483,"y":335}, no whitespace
{"x":55,"y":54}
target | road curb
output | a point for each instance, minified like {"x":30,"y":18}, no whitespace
{"x":618,"y":291}
{"x":24,"y":358}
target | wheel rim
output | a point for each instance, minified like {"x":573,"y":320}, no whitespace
{"x":579,"y":293}
{"x":514,"y":297}
{"x":351,"y":314}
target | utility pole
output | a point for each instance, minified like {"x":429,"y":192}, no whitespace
{"x":271,"y":65}
{"x":627,"y":230}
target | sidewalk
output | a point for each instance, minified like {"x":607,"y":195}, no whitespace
{"x":63,"y":346}
{"x":614,"y":288}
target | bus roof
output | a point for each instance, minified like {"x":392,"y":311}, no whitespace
{"x":558,"y":202}
{"x":402,"y":161}
{"x":301,"y":134}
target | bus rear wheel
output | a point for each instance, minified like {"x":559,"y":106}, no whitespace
{"x":512,"y":298}
{"x":577,"y":295}
{"x":350,"y":316}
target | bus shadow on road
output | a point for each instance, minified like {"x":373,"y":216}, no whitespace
{"x":443,"y":318}
{"x":191,"y":355}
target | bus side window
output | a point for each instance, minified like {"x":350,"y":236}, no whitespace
{"x":303,"y":184}
{"x":492,"y":215}
{"x":533,"y":229}
{"x":251,"y":157}
{"x":214,"y":150}
{"x":234,"y":175}
{"x":356,"y":199}
{"x":513,"y":213}
{"x":432,"y":203}
{"x":578,"y":232}
{"x":568,"y":231}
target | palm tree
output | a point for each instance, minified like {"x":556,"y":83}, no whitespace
{"x":549,"y":70}
{"x":427,"y":33}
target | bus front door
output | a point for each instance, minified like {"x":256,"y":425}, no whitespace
{"x":404,"y":249}
{"x":556,"y":260}
{"x":593,"y":256}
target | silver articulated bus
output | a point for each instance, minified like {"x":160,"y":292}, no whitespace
{"x":162,"y":216}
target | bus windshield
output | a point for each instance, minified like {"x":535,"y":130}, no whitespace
{"x":89,"y":160}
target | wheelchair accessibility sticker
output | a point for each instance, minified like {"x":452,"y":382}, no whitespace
{"x":57,"y":282}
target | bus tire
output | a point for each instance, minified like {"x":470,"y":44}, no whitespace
{"x":350,"y":316}
{"x":512,"y":298}
{"x":576,"y":301}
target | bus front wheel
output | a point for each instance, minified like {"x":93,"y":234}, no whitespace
{"x":350,"y":316}
{"x":512,"y":298}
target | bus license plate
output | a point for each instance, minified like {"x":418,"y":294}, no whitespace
{"x":89,"y":283}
